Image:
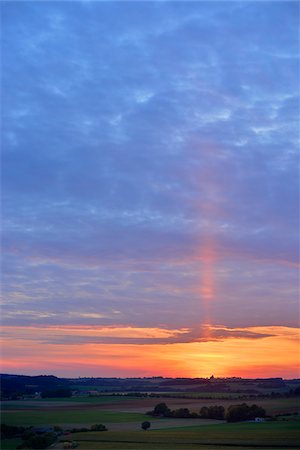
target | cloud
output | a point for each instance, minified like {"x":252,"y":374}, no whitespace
{"x":168,"y":132}
{"x":123,"y":335}
{"x":267,"y":357}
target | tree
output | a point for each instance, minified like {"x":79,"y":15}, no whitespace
{"x":182,"y":413}
{"x":161,"y":409}
{"x":216,"y":412}
{"x":40,"y":441}
{"x":212,"y":412}
{"x":204,"y":412}
{"x":52,"y":393}
{"x":145,"y":425}
{"x":10,"y":431}
{"x":256,"y":411}
{"x":238,"y":413}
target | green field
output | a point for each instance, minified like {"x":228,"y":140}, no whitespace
{"x":88,"y":399}
{"x":38,"y":402}
{"x":164,"y":446}
{"x":204,"y":395}
{"x":69,"y":417}
{"x":10,"y":444}
{"x":69,"y":411}
{"x":240,"y":435}
{"x":123,"y":417}
{"x":272,"y":405}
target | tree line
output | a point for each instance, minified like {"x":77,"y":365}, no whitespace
{"x":234,"y":413}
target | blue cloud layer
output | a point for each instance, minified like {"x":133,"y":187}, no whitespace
{"x":131,"y":133}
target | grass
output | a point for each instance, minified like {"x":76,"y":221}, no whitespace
{"x":37,"y":403}
{"x":289,"y":417}
{"x":97,"y":399}
{"x":7,"y":407}
{"x":244,"y":429}
{"x":59,"y":417}
{"x":164,"y":446}
{"x":204,"y":395}
{"x":272,"y":406}
{"x":72,"y":412}
{"x":253,"y":435}
{"x":10,"y":444}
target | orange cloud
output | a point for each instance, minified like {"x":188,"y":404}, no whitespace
{"x":274,"y":355}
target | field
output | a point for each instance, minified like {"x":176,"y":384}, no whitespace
{"x":10,"y":444}
{"x":240,"y":436}
{"x":123,"y":416}
{"x":66,"y":418}
{"x":86,"y":411}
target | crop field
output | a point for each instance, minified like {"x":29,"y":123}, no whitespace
{"x":123,"y":417}
{"x":68,"y":417}
{"x":40,"y":402}
{"x":240,"y":435}
{"x":88,"y":399}
{"x":112,"y":409}
{"x":206,"y":395}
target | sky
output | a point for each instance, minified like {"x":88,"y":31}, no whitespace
{"x":150,"y":189}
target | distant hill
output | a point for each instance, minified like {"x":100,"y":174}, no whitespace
{"x":14,"y":386}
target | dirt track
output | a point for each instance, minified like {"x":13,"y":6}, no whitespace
{"x":165,"y":423}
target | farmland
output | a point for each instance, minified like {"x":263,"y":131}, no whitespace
{"x":123,"y":413}
{"x":123,"y":417}
{"x":112,"y":409}
{"x":68,"y":417}
{"x":242,"y":435}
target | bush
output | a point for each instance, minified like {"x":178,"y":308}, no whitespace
{"x":80,"y":430}
{"x":38,"y":441}
{"x":50,"y":438}
{"x":10,"y":431}
{"x":27,"y":434}
{"x":98,"y":427}
{"x":145,"y":425}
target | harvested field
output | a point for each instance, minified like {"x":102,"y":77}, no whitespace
{"x":142,"y":405}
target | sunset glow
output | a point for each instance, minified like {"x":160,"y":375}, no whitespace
{"x":274,"y":355}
